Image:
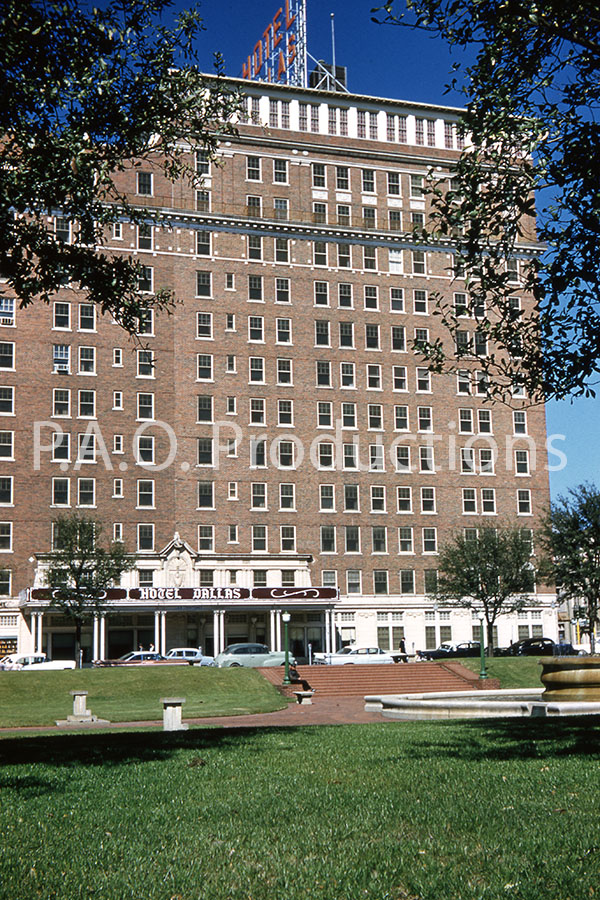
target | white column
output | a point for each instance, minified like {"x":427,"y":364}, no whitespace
{"x":157,"y":630}
{"x":272,"y":634}
{"x":222,"y":630}
{"x":216,"y":629}
{"x":95,"y":653}
{"x":163,"y":634}
{"x":102,"y":647}
{"x":328,"y":647}
{"x":278,"y":628}
{"x":38,"y":648}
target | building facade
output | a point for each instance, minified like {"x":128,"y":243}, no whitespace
{"x":276,"y":430}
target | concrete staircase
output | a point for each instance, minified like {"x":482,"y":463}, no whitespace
{"x":402,"y":678}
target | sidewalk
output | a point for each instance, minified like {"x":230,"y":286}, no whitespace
{"x":324,"y":711}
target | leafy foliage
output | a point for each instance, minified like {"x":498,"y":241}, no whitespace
{"x":89,"y":93}
{"x":80,"y":569}
{"x":490,"y":571}
{"x":532,"y":103}
{"x":572,"y":540}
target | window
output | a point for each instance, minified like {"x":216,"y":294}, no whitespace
{"x":488,"y":501}
{"x":378,"y":503}
{"x":7,"y":444}
{"x":326,"y":456}
{"x":61,"y":405}
{"x":524,"y":503}
{"x":206,"y":538}
{"x":206,"y":498}
{"x":345,"y":296}
{"x":86,"y":491}
{"x":87,"y":317}
{"x":257,"y":369}
{"x":342,"y":178}
{"x":372,"y":337}
{"x":284,"y":371}
{"x":145,"y":537}
{"x":117,"y":443}
{"x":420,"y":303}
{"x":254,"y":246}
{"x":146,"y":279}
{"x":324,"y":415}
{"x":87,"y":404}
{"x":326,"y":498}
{"x":405,"y":540}
{"x":429,"y":540}
{"x":254,"y":207}
{"x":145,"y":236}
{"x":393,"y":183}
{"x":287,"y":496}
{"x":426,"y":460}
{"x":60,"y":491}
{"x":353,"y":581}
{"x":7,"y":355}
{"x":282,"y":290}
{"x":351,"y":498}
{"x":465,"y":421}
{"x":257,"y":411}
{"x":401,"y":418}
{"x":371,"y":300}
{"x":203,"y":284}
{"x":144,"y":184}
{"x":467,"y":461}
{"x":145,"y":492}
{"x":259,"y":538}
{"x":425,"y":418}
{"x":327,"y":539}
{"x":283,"y":329}
{"x":519,"y":421}
{"x":379,"y":539}
{"x":418,"y":262}
{"x":423,"y":380}
{"x":62,"y":315}
{"x":6,"y":490}
{"x":399,"y":378}
{"x":86,"y":448}
{"x":407,"y":581}
{"x":256,"y":328}
{"x":427,"y":500}
{"x":203,"y":201}
{"x":343,"y":256}
{"x":145,"y":326}
{"x":145,"y":406}
{"x":285,"y":453}
{"x":403,"y":459}
{"x":369,"y":258}
{"x":463,"y":382}
{"x":322,"y":337}
{"x":417,"y":190}
{"x":205,"y":408}
{"x":375,"y":417}
{"x":288,"y":538}
{"x":398,"y":338}
{"x":376,"y":458}
{"x":350,"y":456}
{"x":285,"y":412}
{"x":280,"y":171}
{"x":318,"y":175}
{"x":319,"y":213}
{"x":255,"y":288}
{"x":486,"y":461}
{"x":323,"y":373}
{"x":204,"y":326}
{"x":343,"y":214}
{"x":205,"y":452}
{"x":281,"y":208}
{"x":380,"y":581}
{"x":352,"y":539}
{"x":369,"y":217}
{"x":253,"y":168}
{"x":258,"y":496}
{"x":368,"y":181}
{"x":282,"y":250}
{"x":396,"y":262}
{"x":469,"y":500}
{"x":347,"y":375}
{"x":87,"y":360}
{"x":320,"y":253}
{"x":61,"y":358}
{"x":484,"y":421}
{"x":5,"y":536}
{"x":348,"y":415}
{"x":346,"y":334}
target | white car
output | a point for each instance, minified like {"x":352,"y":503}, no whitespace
{"x":353,"y":656}
{"x":251,"y":655}
{"x":193,"y":655}
{"x":31,"y":662}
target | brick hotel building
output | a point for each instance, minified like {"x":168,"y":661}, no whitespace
{"x":276,"y":430}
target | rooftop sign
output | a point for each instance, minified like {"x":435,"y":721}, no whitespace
{"x":279,"y":56}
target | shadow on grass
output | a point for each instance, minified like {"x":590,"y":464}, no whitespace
{"x":505,"y":739}
{"x":28,"y":786}
{"x":117,"y":748}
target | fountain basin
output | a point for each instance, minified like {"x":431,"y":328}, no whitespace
{"x":571,"y":679}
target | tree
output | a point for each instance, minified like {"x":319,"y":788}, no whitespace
{"x":571,"y":537}
{"x":531,"y":120}
{"x":488,"y":570}
{"x":80,"y":569}
{"x":89,"y":93}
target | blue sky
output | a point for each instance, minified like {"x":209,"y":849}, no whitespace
{"x":395,"y":62}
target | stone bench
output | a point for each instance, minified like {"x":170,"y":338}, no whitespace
{"x":304,"y":698}
{"x":172,"y":713}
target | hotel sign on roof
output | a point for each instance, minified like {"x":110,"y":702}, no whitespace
{"x":279,"y":56}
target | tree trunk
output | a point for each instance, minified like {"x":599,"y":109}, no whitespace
{"x":78,"y":643}
{"x":490,"y":638}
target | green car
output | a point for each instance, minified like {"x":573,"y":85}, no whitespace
{"x":251,"y":655}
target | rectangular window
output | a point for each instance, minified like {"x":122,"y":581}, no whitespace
{"x":323,"y":373}
{"x":488,"y":501}
{"x":348,"y":415}
{"x":344,"y":259}
{"x":324,"y":415}
{"x":282,"y":250}
{"x":326,"y":498}
{"x":352,"y":538}
{"x":205,"y":408}
{"x":280,"y":171}
{"x":407,"y":581}
{"x":254,"y":207}
{"x":396,"y":262}
{"x":145,"y":493}
{"x":288,"y":538}
{"x":285,"y":412}
{"x":428,"y":500}
{"x":206,"y":498}
{"x":61,"y":447}
{"x":87,"y":404}
{"x":253,"y":168}
{"x":423,"y":380}
{"x":258,"y":496}
{"x":203,"y":284}
{"x":380,"y":581}
{"x":205,"y":452}
{"x":287,"y":496}
{"x":255,"y":246}
{"x":327,"y":539}
{"x":144,"y":184}
{"x":368,"y":181}
{"x":86,"y":491}
{"x":342,"y":178}
{"x":524,"y":503}
{"x":145,"y":537}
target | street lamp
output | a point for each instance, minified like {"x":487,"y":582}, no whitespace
{"x":285,"y":618}
{"x":482,"y":673}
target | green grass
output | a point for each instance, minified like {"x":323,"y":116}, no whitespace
{"x":133,"y":694}
{"x":520,"y":672}
{"x":396,"y":811}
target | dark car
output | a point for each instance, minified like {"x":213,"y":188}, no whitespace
{"x":451,"y":650}
{"x":537,"y":646}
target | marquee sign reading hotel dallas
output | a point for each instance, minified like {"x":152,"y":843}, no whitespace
{"x":280,"y":54}
{"x":206,"y":593}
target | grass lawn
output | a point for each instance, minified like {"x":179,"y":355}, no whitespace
{"x":517,"y":672}
{"x":396,"y":811}
{"x":133,"y":694}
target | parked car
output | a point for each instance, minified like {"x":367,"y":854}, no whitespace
{"x":353,"y":656}
{"x":193,"y":655}
{"x":32,"y":662}
{"x":537,"y":646}
{"x":139,"y":658}
{"x":451,"y":650}
{"x":251,"y":655}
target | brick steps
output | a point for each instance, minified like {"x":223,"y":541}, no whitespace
{"x":357,"y":680}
